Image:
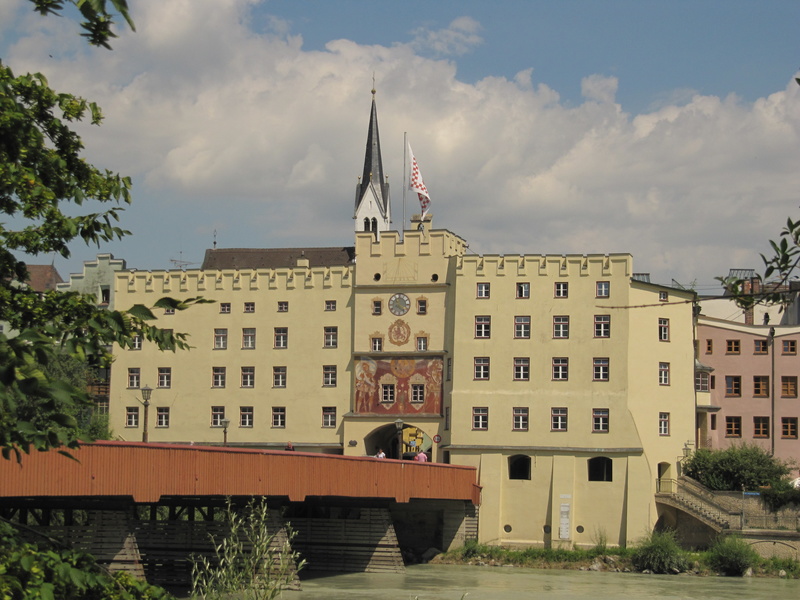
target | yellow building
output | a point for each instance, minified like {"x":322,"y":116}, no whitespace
{"x":566,"y":380}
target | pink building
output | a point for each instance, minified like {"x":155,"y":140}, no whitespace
{"x":746,"y":383}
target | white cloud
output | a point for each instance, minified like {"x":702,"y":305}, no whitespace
{"x":246,"y":133}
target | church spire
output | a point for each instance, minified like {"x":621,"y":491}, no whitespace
{"x":373,"y":206}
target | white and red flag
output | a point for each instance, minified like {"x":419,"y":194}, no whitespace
{"x":415,"y":184}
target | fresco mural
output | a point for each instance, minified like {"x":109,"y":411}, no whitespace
{"x":398,"y":386}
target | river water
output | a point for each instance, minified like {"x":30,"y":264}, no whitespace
{"x":446,"y":582}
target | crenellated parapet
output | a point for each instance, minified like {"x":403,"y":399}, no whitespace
{"x":546,"y":265}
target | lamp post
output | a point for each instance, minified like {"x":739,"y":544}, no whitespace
{"x":225,"y":423}
{"x":399,"y":425}
{"x":146,"y":393}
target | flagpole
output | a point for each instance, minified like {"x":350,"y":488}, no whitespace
{"x":405,"y":183}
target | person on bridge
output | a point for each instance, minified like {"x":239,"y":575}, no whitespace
{"x":380,"y":454}
{"x":421,"y":457}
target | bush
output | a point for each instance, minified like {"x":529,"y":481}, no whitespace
{"x":660,"y":553}
{"x":738,"y":467}
{"x":731,"y":555}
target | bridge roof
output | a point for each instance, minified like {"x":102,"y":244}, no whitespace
{"x":146,"y":472}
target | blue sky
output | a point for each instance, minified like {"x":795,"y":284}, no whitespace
{"x":670,"y":130}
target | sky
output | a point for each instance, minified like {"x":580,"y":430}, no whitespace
{"x":667,"y":130}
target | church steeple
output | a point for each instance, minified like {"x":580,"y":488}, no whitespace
{"x":373,"y":205}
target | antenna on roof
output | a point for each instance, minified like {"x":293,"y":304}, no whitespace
{"x":215,"y":239}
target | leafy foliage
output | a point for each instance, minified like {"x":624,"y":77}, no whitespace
{"x":29,"y":571}
{"x":246,"y":562}
{"x":745,"y":467}
{"x":98,"y":19}
{"x":731,"y":555}
{"x":779,"y":268}
{"x":781,"y":493}
{"x":43,"y":178}
{"x":660,"y":553}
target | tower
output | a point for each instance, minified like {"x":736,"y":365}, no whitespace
{"x":373,"y":205}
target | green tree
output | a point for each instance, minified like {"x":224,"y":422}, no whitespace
{"x":735,"y":468}
{"x":98,"y":19}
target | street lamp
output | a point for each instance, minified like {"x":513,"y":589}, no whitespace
{"x":399,"y":425}
{"x":146,"y":393}
{"x":225,"y":423}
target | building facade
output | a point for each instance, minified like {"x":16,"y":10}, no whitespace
{"x":567,"y":382}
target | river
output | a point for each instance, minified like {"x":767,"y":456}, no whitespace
{"x":445,"y":582}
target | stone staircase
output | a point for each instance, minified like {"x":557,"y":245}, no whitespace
{"x":691,"y":497}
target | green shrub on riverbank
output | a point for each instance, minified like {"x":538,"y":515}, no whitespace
{"x":660,"y":553}
{"x":472,"y":551}
{"x":731,"y":555}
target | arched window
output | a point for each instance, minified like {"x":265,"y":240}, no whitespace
{"x":366,"y":224}
{"x":374,"y":224}
{"x":600,"y":468}
{"x":519,"y":467}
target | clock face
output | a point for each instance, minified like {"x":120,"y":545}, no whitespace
{"x":399,"y":304}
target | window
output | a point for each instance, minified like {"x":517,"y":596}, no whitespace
{"x":560,"y":369}
{"x":520,"y":418}
{"x":761,"y":386}
{"x":248,"y":377}
{"x":134,"y":378}
{"x":422,"y":344}
{"x":701,"y":381}
{"x":279,"y":377}
{"x":789,"y":427}
{"x":136,"y":342}
{"x":132,"y":416}
{"x":217,"y":415}
{"x":562,"y":289}
{"x":789,"y":386}
{"x":663,"y":373}
{"x":789,"y":346}
{"x":377,"y":344}
{"x":760,"y":427}
{"x":732,"y":347}
{"x":387,"y":393}
{"x":283,"y":306}
{"x":164,"y":377}
{"x":220,"y":339}
{"x":250,"y":307}
{"x":449,"y":369}
{"x":331,"y":337}
{"x":522,"y":369}
{"x":603,"y":289}
{"x":328,"y":416}
{"x":483,"y":290}
{"x":447,"y":418}
{"x":278,"y":417}
{"x":377,"y":307}
{"x":169,"y":311}
{"x":522,"y":327}
{"x":713,"y":422}
{"x":523,"y":290}
{"x":519,"y":467}
{"x":480,"y":417}
{"x":663,"y":423}
{"x":422,"y":307}
{"x":663,"y":330}
{"x":482,"y":367}
{"x":417,"y":393}
{"x":600,"y":420}
{"x":218,"y":377}
{"x":733,"y":386}
{"x":281,"y":337}
{"x":225,"y":308}
{"x":558,"y":419}
{"x":600,"y":369}
{"x":600,"y":468}
{"x":162,"y":416}
{"x":663,"y":296}
{"x":249,"y":338}
{"x":329,"y":305}
{"x":709,"y":346}
{"x":759,"y":346}
{"x":733,"y":427}
{"x":561,"y":327}
{"x":602,"y":326}
{"x":329,"y":375}
{"x":483,"y":327}
{"x":246,"y":416}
